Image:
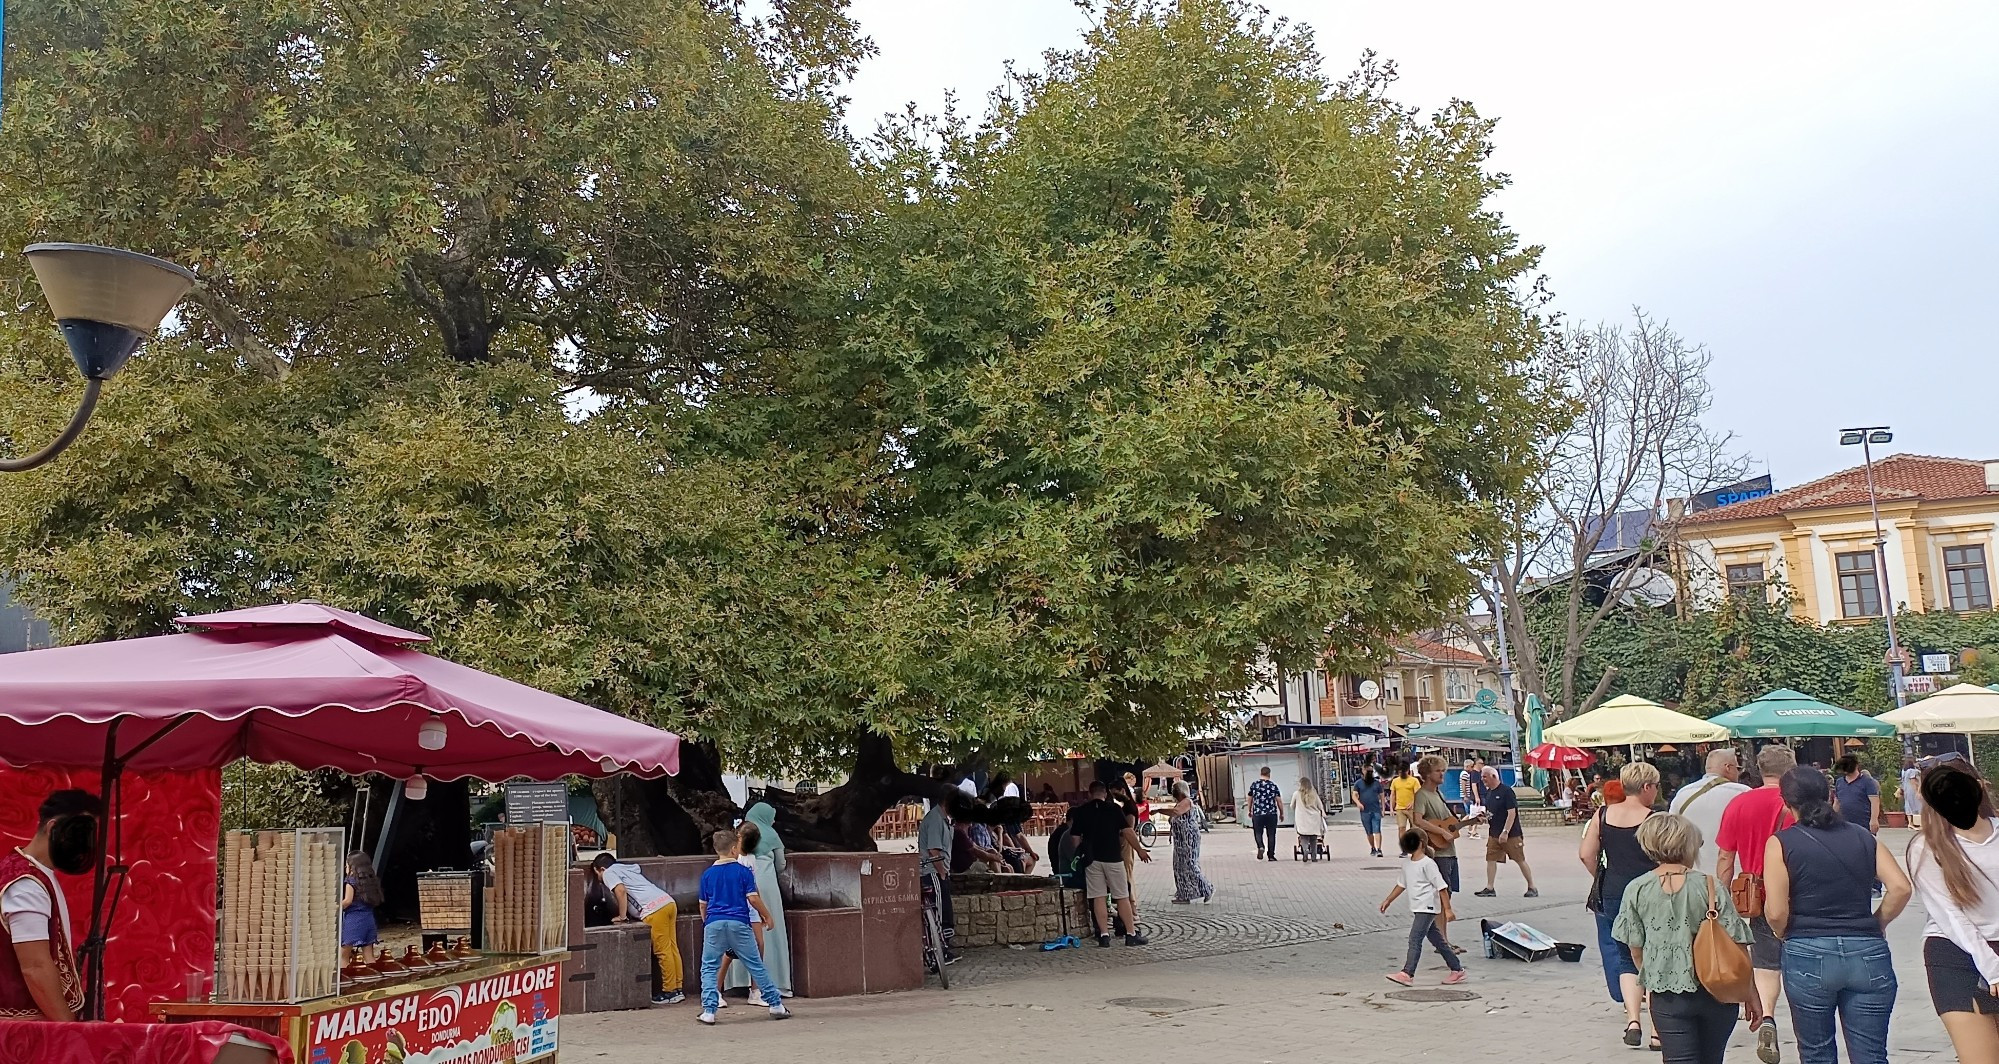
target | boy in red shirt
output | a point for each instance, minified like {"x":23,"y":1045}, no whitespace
{"x":1746,"y":827}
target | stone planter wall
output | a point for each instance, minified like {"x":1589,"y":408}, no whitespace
{"x":1007,"y":918}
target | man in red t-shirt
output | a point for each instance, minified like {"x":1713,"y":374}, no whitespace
{"x":1746,"y":827}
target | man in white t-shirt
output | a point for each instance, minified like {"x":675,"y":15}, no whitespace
{"x":1705,"y":799}
{"x":38,"y":971}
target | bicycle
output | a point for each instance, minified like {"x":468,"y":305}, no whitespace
{"x":936,"y":955}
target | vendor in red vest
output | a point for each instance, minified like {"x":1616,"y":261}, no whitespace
{"x":38,"y":976}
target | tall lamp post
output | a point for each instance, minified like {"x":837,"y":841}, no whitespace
{"x":1867,"y":437}
{"x":107,"y":302}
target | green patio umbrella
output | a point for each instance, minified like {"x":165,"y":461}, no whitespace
{"x":1785,"y":713}
{"x":1477,"y":724}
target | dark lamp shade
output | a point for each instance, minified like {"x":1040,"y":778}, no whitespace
{"x":84,"y":282}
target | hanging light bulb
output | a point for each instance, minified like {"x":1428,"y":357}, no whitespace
{"x":431,"y":734}
{"x":415,"y":788}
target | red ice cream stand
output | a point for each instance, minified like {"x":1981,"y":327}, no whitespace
{"x":148,"y":723}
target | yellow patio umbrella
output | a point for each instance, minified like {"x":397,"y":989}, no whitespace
{"x":1627,"y":720}
{"x":1966,"y":709}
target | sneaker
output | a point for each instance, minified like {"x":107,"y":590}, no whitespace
{"x":1137,"y":940}
{"x":1402,"y":977}
{"x":674,"y":998}
{"x":1103,"y":941}
{"x":722,"y":1004}
{"x":1486,"y":893}
{"x":1531,"y":893}
{"x":779,"y":1012}
{"x":757,"y":997}
{"x":708,"y":1018}
{"x":1455,"y":978}
{"x":1766,"y":1041}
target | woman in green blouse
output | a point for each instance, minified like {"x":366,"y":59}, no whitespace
{"x":1662,"y":912}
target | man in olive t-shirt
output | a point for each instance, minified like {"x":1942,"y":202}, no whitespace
{"x":1431,"y":814}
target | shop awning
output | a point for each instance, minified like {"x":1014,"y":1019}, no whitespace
{"x":1784,"y":713}
{"x":308,"y":685}
{"x":1628,"y":719}
{"x":1966,"y":709}
{"x":1476,"y":724}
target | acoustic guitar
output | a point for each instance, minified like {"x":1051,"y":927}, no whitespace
{"x":1445,"y":832}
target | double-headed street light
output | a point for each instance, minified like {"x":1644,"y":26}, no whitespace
{"x":1867,"y":437}
{"x":107,"y":302}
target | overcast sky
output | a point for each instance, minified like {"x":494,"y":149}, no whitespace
{"x":1811,"y":190}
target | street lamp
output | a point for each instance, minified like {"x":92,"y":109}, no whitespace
{"x":1867,"y":437}
{"x":107,"y":302}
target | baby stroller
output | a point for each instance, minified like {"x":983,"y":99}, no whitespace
{"x":1311,"y":848}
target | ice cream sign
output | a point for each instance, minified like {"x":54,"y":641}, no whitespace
{"x":507,"y":1018}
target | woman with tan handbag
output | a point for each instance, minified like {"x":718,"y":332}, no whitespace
{"x":1661,"y":919}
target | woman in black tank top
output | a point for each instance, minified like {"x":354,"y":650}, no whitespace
{"x":1819,"y":876}
{"x":1611,"y":852}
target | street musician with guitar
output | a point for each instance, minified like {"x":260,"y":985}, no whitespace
{"x":1432,"y":816}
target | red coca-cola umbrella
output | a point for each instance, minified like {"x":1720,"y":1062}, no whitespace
{"x":1548,"y":755}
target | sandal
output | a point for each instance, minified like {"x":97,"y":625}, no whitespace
{"x":1634,"y":1033}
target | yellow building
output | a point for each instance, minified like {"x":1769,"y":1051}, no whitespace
{"x":1937,"y":515}
{"x":1428,"y":680}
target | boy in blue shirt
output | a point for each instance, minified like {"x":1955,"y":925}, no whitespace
{"x":728,"y":893}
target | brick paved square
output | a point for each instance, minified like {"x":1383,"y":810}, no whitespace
{"x":1286,"y":965}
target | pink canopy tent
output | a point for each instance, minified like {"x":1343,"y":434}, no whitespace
{"x":299,"y":683}
{"x":307,"y":685}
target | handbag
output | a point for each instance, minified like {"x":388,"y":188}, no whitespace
{"x":1746,"y":889}
{"x":1720,"y":962}
{"x":1594,"y":902}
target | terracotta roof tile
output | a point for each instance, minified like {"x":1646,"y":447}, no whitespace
{"x":1441,"y":653}
{"x":1896,"y":477}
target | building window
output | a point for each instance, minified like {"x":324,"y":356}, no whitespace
{"x":1964,"y":572}
{"x":1457,"y":686}
{"x":1745,"y":581}
{"x":1859,"y":591}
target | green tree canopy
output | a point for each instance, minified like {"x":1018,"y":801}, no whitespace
{"x":579,"y":336}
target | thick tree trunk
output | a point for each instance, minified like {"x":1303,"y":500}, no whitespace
{"x":676,"y":814}
{"x":671,"y":815}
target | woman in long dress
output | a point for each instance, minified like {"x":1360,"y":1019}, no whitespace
{"x":1308,"y":816}
{"x":1188,"y":882}
{"x":768,"y":860}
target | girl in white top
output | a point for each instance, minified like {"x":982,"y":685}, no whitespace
{"x":1954,"y":863}
{"x":1429,"y":910}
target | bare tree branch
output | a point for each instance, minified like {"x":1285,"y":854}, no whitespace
{"x":1636,"y":446}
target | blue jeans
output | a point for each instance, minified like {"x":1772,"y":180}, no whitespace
{"x":732,"y":936}
{"x":1616,"y":955}
{"x":1851,"y":979}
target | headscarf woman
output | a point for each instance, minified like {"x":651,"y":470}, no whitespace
{"x":768,"y":860}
